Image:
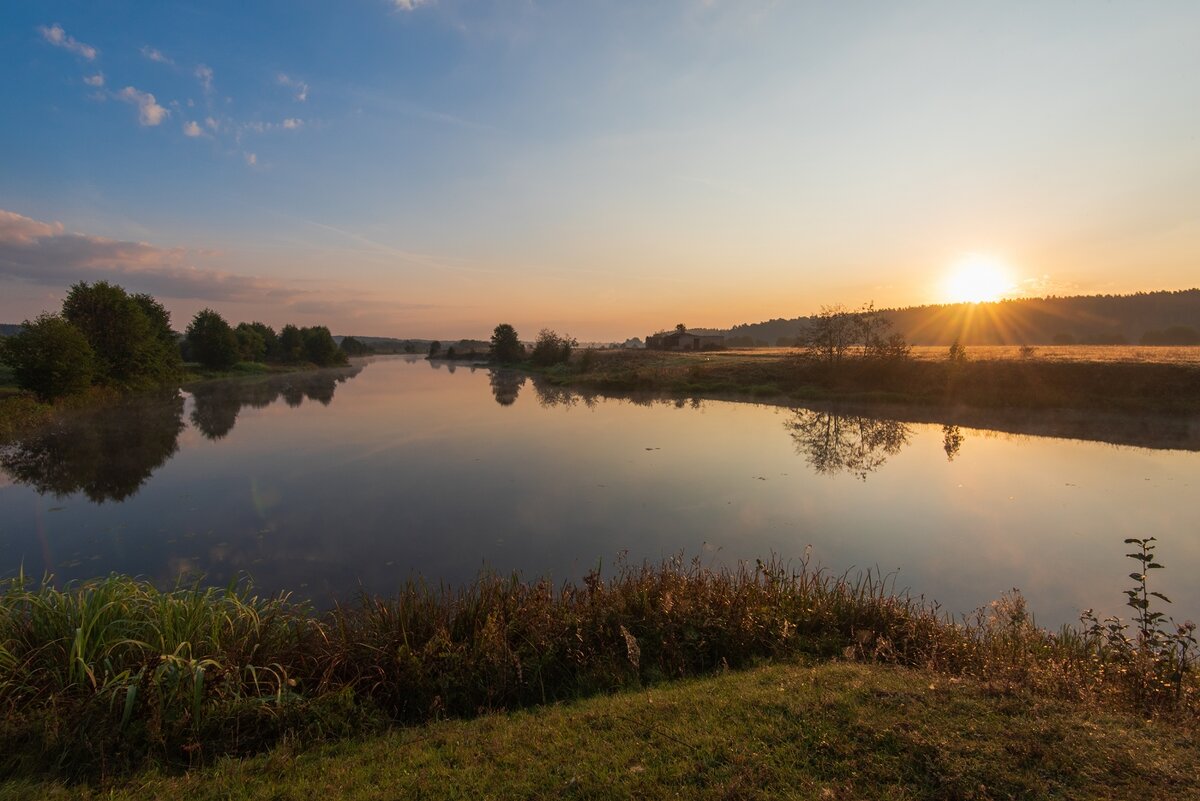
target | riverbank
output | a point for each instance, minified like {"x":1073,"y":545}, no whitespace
{"x":102,"y":680}
{"x":1007,"y":382}
{"x":21,"y":412}
{"x":808,"y":730}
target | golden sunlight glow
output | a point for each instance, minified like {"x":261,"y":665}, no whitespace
{"x":978,"y":279}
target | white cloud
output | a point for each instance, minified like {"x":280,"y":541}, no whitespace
{"x":192,"y":128}
{"x":211,"y":123}
{"x":205,"y":74}
{"x":56,"y":36}
{"x":291,"y":123}
{"x":150,"y":113}
{"x":154,"y":54}
{"x":409,"y":5}
{"x":94,"y":80}
{"x":251,"y":159}
{"x":300,"y":88}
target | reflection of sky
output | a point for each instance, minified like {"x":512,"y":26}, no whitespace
{"x":412,"y":470}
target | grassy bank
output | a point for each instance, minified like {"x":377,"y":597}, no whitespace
{"x":1168,"y":387}
{"x":829,"y":730}
{"x":111,"y":676}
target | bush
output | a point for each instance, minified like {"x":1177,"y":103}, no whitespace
{"x":50,"y":357}
{"x":550,"y":348}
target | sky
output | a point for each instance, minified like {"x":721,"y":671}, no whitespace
{"x":430,"y":168}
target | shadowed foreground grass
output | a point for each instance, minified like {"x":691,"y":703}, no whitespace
{"x":799,"y":731}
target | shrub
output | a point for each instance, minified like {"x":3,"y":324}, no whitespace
{"x":550,"y":348}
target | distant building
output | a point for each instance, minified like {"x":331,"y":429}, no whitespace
{"x":684,"y":340}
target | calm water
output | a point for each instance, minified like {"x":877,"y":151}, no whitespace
{"x":365,"y":476}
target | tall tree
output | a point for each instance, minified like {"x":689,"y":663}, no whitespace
{"x":129,"y":346}
{"x":506,"y":345}
{"x":211,"y":341}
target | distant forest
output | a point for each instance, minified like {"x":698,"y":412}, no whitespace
{"x":1151,"y":318}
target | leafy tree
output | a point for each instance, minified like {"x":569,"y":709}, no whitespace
{"x":166,"y":362}
{"x":319,"y":347}
{"x":680,"y":328}
{"x":291,"y":344}
{"x":550,"y":348}
{"x":354,"y":347}
{"x":49,"y":357}
{"x":435,"y":348}
{"x":830,"y":334}
{"x":251,"y":345}
{"x":129,"y":345}
{"x":506,"y":346}
{"x":211,"y":341}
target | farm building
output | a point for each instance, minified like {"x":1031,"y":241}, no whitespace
{"x":684,"y":340}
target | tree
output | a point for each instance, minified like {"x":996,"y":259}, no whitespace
{"x":166,"y":362}
{"x":211,"y":341}
{"x":130,"y":347}
{"x":291,"y":344}
{"x":49,"y":357}
{"x":680,"y":328}
{"x":435,"y":348}
{"x":506,"y":345}
{"x":319,"y":347}
{"x":830,"y":334}
{"x":550,"y":348}
{"x":354,"y":347}
{"x":252,"y":347}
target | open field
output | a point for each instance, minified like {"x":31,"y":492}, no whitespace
{"x":1116,"y":379}
{"x":831,"y":730}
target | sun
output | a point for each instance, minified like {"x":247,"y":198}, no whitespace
{"x":978,"y":278}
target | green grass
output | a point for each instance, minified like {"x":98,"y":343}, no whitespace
{"x":111,"y":676}
{"x":789,"y":731}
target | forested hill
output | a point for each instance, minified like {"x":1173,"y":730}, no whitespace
{"x":1146,"y":317}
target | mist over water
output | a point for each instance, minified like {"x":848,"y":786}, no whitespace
{"x":329,"y":482}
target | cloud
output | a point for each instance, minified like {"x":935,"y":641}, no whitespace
{"x":154,"y":54}
{"x":150,"y":113}
{"x":300,"y":87}
{"x":212,"y":124}
{"x":251,"y":158}
{"x":94,"y":80}
{"x":205,"y":74}
{"x":193,"y":129}
{"x":292,"y":123}
{"x":409,"y":5}
{"x":46,"y":254}
{"x":56,"y":36}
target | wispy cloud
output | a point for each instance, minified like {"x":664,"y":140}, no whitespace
{"x":150,"y":113}
{"x":56,"y":36}
{"x":154,"y":54}
{"x":409,"y":5}
{"x":94,"y":80}
{"x":292,"y":123}
{"x":251,"y":158}
{"x":204,"y":74}
{"x":299,"y":88}
{"x":46,"y":254}
{"x":212,"y":123}
{"x":192,"y":128}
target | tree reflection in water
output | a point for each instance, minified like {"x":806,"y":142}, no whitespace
{"x":217,"y":403}
{"x":506,"y":385}
{"x":952,"y":440}
{"x":842,"y":443}
{"x":106,"y":453}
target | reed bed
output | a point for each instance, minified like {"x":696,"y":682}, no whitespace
{"x":105,"y":676}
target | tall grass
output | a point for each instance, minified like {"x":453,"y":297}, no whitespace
{"x":102,"y":676}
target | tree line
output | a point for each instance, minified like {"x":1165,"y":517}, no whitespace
{"x":106,"y":336}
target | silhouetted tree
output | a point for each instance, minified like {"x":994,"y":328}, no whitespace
{"x":252,"y":347}
{"x":211,"y":341}
{"x":550,"y":348}
{"x":354,"y":347}
{"x":49,"y":357}
{"x":319,"y":347}
{"x":835,"y":443}
{"x":435,"y":348}
{"x":291,"y":344}
{"x":506,"y":345}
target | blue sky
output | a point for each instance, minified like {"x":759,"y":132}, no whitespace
{"x":431,"y":169}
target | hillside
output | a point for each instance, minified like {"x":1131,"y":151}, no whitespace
{"x":1085,"y":319}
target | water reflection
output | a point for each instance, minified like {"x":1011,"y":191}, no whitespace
{"x":506,"y":385}
{"x":217,"y":403}
{"x":952,"y":440}
{"x":105,"y":453}
{"x":839,"y":443}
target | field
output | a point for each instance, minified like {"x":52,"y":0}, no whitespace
{"x":1137,"y":354}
